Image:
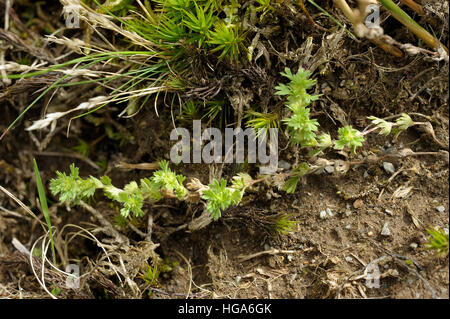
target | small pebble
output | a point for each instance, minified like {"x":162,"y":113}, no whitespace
{"x":440,"y":209}
{"x":348,"y":226}
{"x":395,"y":273}
{"x":284,"y":165}
{"x":348,"y":213}
{"x":348,"y":258}
{"x":266,"y":247}
{"x":365,"y":175}
{"x":329,"y":169}
{"x":413,"y":245}
{"x":389,"y":212}
{"x":290,"y":257}
{"x":347,"y":206}
{"x":385,"y":231}
{"x":238,"y":279}
{"x":328,"y":211}
{"x":323,"y":214}
{"x":389,"y":167}
{"x":370,"y":234}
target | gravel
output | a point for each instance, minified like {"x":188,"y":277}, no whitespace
{"x":329,"y":169}
{"x":440,"y":209}
{"x":385,"y":231}
{"x":284,"y":165}
{"x":389,"y":167}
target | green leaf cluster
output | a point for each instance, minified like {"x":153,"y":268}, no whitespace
{"x":385,"y":128}
{"x":302,"y":128}
{"x":72,"y":188}
{"x":220,"y":197}
{"x":350,"y":137}
{"x":438,"y":241}
{"x":174,"y":25}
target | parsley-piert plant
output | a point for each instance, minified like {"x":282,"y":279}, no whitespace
{"x":163,"y":184}
{"x":303,"y":130}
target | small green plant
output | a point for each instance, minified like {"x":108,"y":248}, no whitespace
{"x":190,"y":111}
{"x":82,"y":148}
{"x":300,"y":126}
{"x":227,"y":40}
{"x":385,"y":128}
{"x":262,"y":122}
{"x":284,"y":224}
{"x":350,"y":137}
{"x":304,"y":131}
{"x":72,"y":188}
{"x":199,"y":22}
{"x":438,"y":241}
{"x":151,"y":275}
{"x":264,"y":6}
{"x":164,"y":183}
{"x":220,"y":197}
{"x":44,"y":207}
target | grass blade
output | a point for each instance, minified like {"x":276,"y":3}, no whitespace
{"x":44,"y":206}
{"x":412,"y":25}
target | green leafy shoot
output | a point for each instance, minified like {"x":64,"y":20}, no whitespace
{"x":296,"y":88}
{"x":190,"y":111}
{"x":300,"y":126}
{"x":403,"y":123}
{"x":83,"y":148}
{"x":438,"y":241}
{"x":72,"y":188}
{"x":227,"y":40}
{"x":349,"y":137}
{"x":151,"y":275}
{"x":323,"y":142}
{"x":44,"y":207}
{"x":384,"y":126}
{"x":291,"y":184}
{"x":163,"y":183}
{"x":219,"y":197}
{"x":264,"y":6}
{"x":168,"y":180}
{"x":199,"y":22}
{"x":241,"y":181}
{"x":284,"y":224}
{"x":262,"y":122}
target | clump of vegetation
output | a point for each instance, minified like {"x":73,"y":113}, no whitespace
{"x":438,"y":241}
{"x":164,"y":183}
{"x":301,"y":127}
